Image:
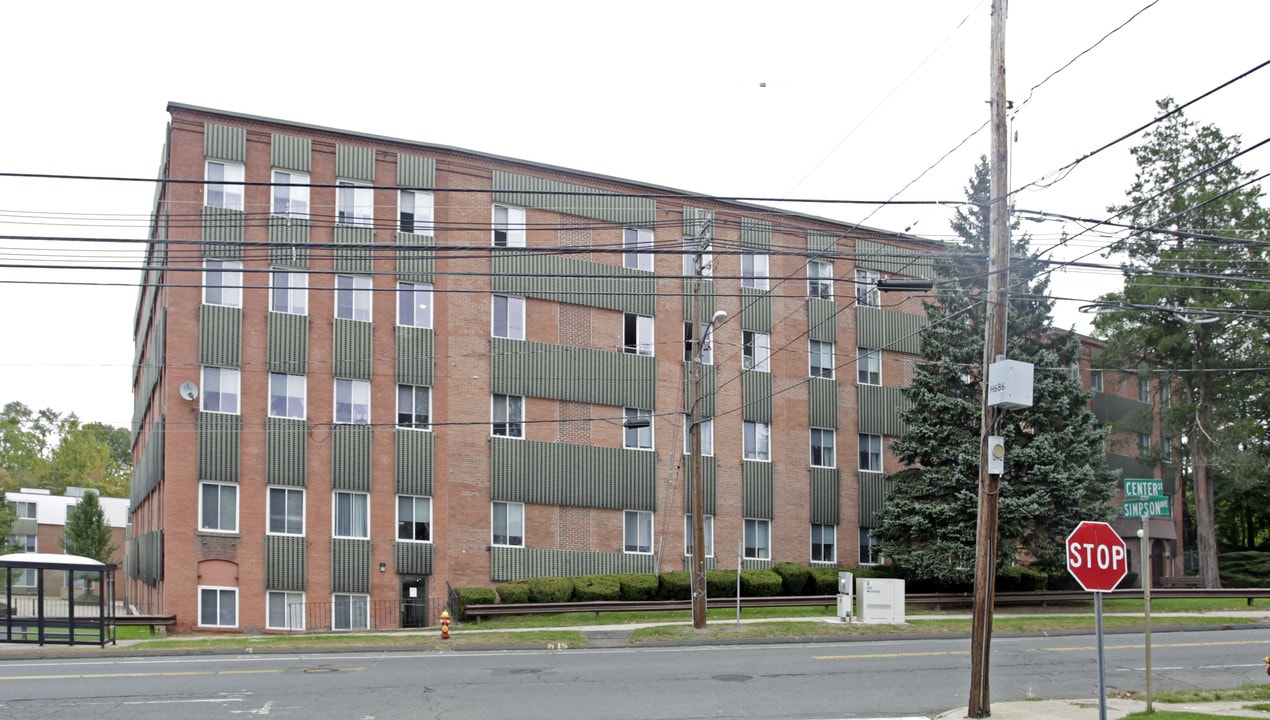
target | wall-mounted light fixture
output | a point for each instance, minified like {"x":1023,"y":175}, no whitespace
{"x":383,"y":567}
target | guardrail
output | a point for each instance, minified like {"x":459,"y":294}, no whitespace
{"x":826,"y":601}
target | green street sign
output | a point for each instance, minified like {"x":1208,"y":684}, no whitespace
{"x":1143,"y":488}
{"x":1149,"y":506}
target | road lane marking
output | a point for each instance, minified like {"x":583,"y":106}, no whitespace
{"x":866,"y":656}
{"x":185,"y":673}
{"x":1153,"y":645}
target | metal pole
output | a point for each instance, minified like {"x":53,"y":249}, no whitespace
{"x":1102,"y":684}
{"x":1146,"y":600}
{"x":700,"y":330}
{"x":740,"y":551}
{"x":993,"y":347}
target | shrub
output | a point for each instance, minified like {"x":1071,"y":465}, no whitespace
{"x":638,"y":587}
{"x":760,"y":583}
{"x":88,"y":598}
{"x":550,"y":589}
{"x":721,"y":583}
{"x":675,"y":585}
{"x":795,"y":578}
{"x":1130,"y":580}
{"x":824,"y":581}
{"x":596,"y":587}
{"x":1245,"y":569}
{"x":1017,"y":578}
{"x":475,"y":596}
{"x":513,"y":592}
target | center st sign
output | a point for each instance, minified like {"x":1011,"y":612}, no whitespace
{"x":1096,"y":556}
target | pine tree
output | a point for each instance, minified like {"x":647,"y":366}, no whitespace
{"x":1056,"y":474}
{"x":87,"y":532}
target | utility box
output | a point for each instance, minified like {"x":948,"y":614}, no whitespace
{"x":879,"y":600}
{"x":844,"y":596}
{"x":1010,"y":384}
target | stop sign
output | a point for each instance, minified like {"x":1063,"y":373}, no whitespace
{"x":1096,"y":556}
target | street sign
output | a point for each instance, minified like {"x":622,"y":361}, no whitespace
{"x":1148,"y":506}
{"x":1143,"y":488}
{"x":1096,"y":556}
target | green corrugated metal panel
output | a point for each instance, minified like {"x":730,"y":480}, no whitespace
{"x":710,"y":474}
{"x":25,"y":526}
{"x":288,"y":343}
{"x":286,"y":451}
{"x":753,"y":564}
{"x":880,"y":409}
{"x":220,"y":332}
{"x":874,"y":489}
{"x":821,"y":242}
{"x":698,"y":220}
{"x":288,"y":242}
{"x":218,"y":442}
{"x":355,"y":163}
{"x":708,"y":391}
{"x":758,"y":489}
{"x":357,"y":259}
{"x":889,"y":330}
{"x":223,"y":232}
{"x":291,"y":153}
{"x":150,"y":557}
{"x":413,"y":558}
{"x":1130,"y":467}
{"x":148,"y":472}
{"x":574,"y":475}
{"x":822,"y":396}
{"x":560,"y":197}
{"x":756,"y":394}
{"x":756,"y":235}
{"x":351,"y":457}
{"x":900,"y":261}
{"x":224,"y":142}
{"x":574,"y":281}
{"x":285,"y":562}
{"x":350,"y":565}
{"x":756,"y":310}
{"x":353,"y":354}
{"x":416,"y":260}
{"x":824,"y":495}
{"x":1125,"y":413}
{"x":130,"y":559}
{"x":1168,"y":473}
{"x":822,"y":320}
{"x":414,"y":171}
{"x":508,"y":563}
{"x":415,"y":355}
{"x":156,"y":348}
{"x":561,"y":372}
{"x":711,"y":563}
{"x":414,"y":461}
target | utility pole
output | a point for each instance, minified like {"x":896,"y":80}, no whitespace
{"x":700,"y":336}
{"x":993,"y":347}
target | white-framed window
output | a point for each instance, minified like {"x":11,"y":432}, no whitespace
{"x":354,"y":203}
{"x":25,"y":577}
{"x":822,"y":442}
{"x":218,"y":507}
{"x":507,"y":523}
{"x":636,"y":245}
{"x":1073,"y":370}
{"x":868,"y":366}
{"x":414,"y":212}
{"x":757,"y":440}
{"x":509,"y":226}
{"x":707,"y":344}
{"x":27,"y":543}
{"x":871,"y":452}
{"x":1166,"y":395}
{"x":707,"y":436}
{"x":758,"y":539}
{"x":220,"y":389}
{"x":352,"y":297}
{"x":637,"y":429}
{"x":414,"y":518}
{"x":754,"y":270}
{"x":870,"y":554}
{"x":289,"y":292}
{"x":509,"y":317}
{"x":508,"y":416}
{"x":707,"y":523}
{"x":224,"y":185}
{"x":217,"y":606}
{"x":284,"y":610}
{"x":290,"y":194}
{"x":866,"y":288}
{"x":286,"y":511}
{"x":637,"y":334}
{"x":820,"y":279}
{"x":690,"y":245}
{"x":414,"y":304}
{"x":351,"y":515}
{"x":350,"y":611}
{"x":1144,"y":389}
{"x":637,"y":531}
{"x":25,"y":510}
{"x":756,"y":351}
{"x":1095,"y":380}
{"x":821,"y":358}
{"x":352,"y":401}
{"x":286,"y":396}
{"x":414,"y":407}
{"x":823,"y":542}
{"x":1166,"y":453}
{"x":223,"y":283}
{"x":1144,"y":444}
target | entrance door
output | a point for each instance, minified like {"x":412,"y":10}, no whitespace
{"x":414,"y":602}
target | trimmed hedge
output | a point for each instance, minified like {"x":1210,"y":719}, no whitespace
{"x":720,"y":583}
{"x":675,"y":585}
{"x":475,"y":596}
{"x":513,"y":592}
{"x":1244,"y":569}
{"x":760,"y":583}
{"x":550,"y":589}
{"x":638,"y":587}
{"x":596,"y":587}
{"x":1017,"y":578}
{"x":795,"y":579}
{"x":824,"y":581}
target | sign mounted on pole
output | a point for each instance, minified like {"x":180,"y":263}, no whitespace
{"x":1144,"y":497}
{"x":1096,"y":556}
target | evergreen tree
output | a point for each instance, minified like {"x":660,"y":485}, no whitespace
{"x":1055,"y":466}
{"x":87,"y":532}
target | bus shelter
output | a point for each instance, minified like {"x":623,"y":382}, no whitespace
{"x":54,"y":599}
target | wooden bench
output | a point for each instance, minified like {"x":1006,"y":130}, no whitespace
{"x":152,"y":621}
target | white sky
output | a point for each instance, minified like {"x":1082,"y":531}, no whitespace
{"x":860,"y":99}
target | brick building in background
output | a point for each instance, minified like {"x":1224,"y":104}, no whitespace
{"x":408,"y":367}
{"x":41,"y":525}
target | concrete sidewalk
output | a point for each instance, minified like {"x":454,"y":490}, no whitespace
{"x":1088,"y":709}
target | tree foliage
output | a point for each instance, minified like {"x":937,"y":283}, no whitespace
{"x":45,"y":449}
{"x":1056,"y":474}
{"x":87,"y":532}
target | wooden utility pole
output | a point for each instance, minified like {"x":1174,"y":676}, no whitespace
{"x":700,"y":336}
{"x":993,"y":347}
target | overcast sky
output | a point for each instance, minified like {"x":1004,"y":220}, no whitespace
{"x":829,"y":100}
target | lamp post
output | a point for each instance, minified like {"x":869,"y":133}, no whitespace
{"x":697,"y":464}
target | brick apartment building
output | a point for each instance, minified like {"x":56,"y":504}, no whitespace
{"x":419,"y":367}
{"x":41,"y":525}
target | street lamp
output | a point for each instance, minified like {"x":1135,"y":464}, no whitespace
{"x":697,"y":470}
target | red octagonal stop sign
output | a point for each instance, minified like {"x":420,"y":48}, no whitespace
{"x":1096,"y":556}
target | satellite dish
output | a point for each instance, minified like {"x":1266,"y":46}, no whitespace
{"x":189,"y":390}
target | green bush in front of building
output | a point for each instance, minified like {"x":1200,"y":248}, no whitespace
{"x":475,"y":596}
{"x":675,"y":585}
{"x":516,"y":591}
{"x":760,"y":583}
{"x":638,"y":586}
{"x":550,"y":589}
{"x":588,"y":588}
{"x":1017,"y":578}
{"x":795,"y":578}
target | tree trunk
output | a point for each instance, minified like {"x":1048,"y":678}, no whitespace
{"x":1205,"y":526}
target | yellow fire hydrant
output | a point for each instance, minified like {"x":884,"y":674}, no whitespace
{"x":445,"y":624}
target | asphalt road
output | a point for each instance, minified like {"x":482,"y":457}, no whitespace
{"x":871,"y":679}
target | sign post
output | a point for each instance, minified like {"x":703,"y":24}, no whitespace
{"x":1098,"y":559}
{"x":1145,"y":498}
